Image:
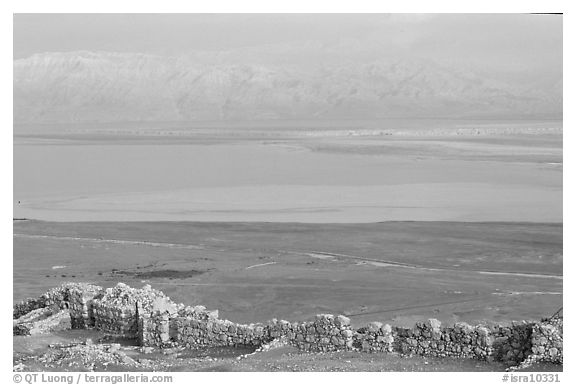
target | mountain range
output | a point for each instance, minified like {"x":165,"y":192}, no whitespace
{"x":277,"y":83}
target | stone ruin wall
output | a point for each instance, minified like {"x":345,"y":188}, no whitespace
{"x":157,"y":321}
{"x":197,"y":327}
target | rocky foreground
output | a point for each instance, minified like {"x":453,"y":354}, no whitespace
{"x":85,"y":327}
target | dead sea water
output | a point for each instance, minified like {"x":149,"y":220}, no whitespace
{"x":285,"y":181}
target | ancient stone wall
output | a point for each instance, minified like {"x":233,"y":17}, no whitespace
{"x":376,"y":337}
{"x":431,"y":339}
{"x":43,"y":320}
{"x":512,"y":343}
{"x":72,"y":296}
{"x":24,"y":307}
{"x":155,"y":320}
{"x":326,"y":333}
{"x":547,"y":341}
{"x":80,"y":304}
{"x":118,"y":309}
{"x":195,"y":327}
{"x":55,"y":296}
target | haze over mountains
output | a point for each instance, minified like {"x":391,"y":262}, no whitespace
{"x":111,"y":68}
{"x":103,"y":86}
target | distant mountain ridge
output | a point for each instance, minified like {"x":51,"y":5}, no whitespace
{"x":107,"y":87}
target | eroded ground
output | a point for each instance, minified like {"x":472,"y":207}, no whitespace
{"x":396,"y":272}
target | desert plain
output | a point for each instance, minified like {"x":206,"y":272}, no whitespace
{"x":394,"y":221}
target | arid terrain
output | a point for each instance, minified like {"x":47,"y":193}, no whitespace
{"x":461,"y":222}
{"x":389,"y":168}
{"x":396,"y":272}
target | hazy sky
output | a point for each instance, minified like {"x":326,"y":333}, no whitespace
{"x":507,"y":42}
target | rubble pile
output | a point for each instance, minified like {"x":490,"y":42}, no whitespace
{"x":87,"y":357}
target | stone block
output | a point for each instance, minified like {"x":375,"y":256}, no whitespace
{"x":374,"y":326}
{"x":342,"y":321}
